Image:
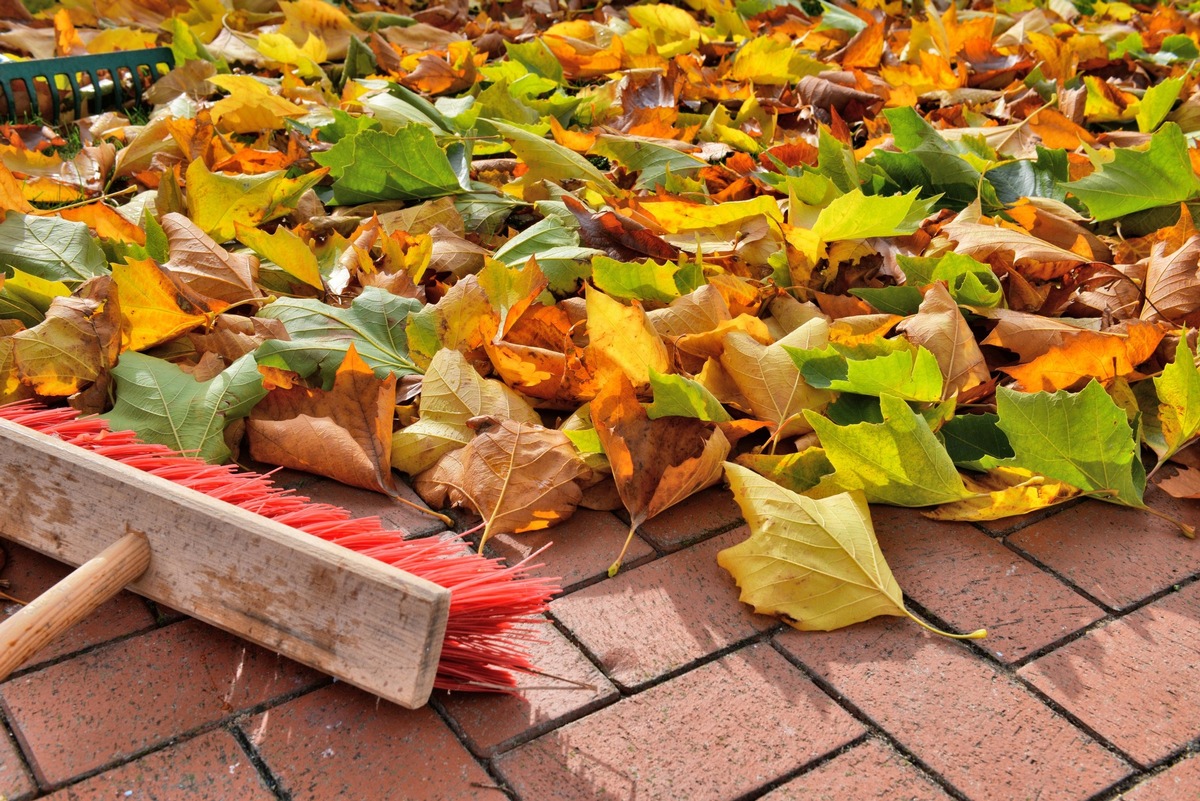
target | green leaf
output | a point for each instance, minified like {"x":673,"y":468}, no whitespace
{"x":484,"y":212}
{"x":1178,"y":390}
{"x":902,"y":300}
{"x":1157,"y":102}
{"x":898,"y":461}
{"x":647,"y":280}
{"x":378,"y":165}
{"x":320,"y":334}
{"x":164,"y":404}
{"x":858,"y":216}
{"x":548,"y":160}
{"x":651,"y":161}
{"x":676,"y":396}
{"x":1027,"y":178}
{"x":798,"y":472}
{"x":815,"y":561}
{"x":836,"y":162}
{"x":536,"y":239}
{"x":1136,"y":180}
{"x":907,"y":371}
{"x":970,"y":282}
{"x":929,"y":162}
{"x":50,"y":248}
{"x":537,"y":58}
{"x":1081,"y":438}
{"x":27,"y":298}
{"x":975,"y":441}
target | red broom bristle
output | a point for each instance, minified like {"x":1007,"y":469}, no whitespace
{"x":493,"y":606}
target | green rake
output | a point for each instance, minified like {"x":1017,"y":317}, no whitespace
{"x":106,"y":79}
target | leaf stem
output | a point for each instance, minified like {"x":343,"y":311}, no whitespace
{"x":978,"y":634}
{"x":1184,"y":528}
{"x":615,"y":566}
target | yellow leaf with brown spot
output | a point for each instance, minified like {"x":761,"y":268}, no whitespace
{"x":77,"y":342}
{"x":622,"y":341}
{"x":1004,"y":492}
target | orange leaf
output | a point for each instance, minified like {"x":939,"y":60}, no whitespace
{"x":1088,"y":355}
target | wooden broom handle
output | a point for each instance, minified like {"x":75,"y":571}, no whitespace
{"x":70,"y":600}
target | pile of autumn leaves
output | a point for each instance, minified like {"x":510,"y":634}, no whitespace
{"x":617,"y":262}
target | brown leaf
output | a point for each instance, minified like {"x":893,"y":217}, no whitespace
{"x":618,"y":236}
{"x":232,"y":336}
{"x":1036,"y":257}
{"x":1184,"y":484}
{"x":206,"y":267}
{"x":1027,"y":335}
{"x":1172,"y":284}
{"x":518,"y":477}
{"x":344,"y":433}
{"x":940,"y":327}
{"x":655,"y":463}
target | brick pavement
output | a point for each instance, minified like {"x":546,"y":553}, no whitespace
{"x":1087,"y":688}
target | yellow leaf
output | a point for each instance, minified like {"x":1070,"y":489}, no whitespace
{"x":218,"y":203}
{"x":287,"y":250}
{"x":622,"y":340}
{"x":75,"y":344}
{"x":816,"y":562}
{"x":156,"y":306}
{"x":250,"y":107}
{"x":677,"y":216}
{"x":1004,"y":492}
{"x":307,"y":59}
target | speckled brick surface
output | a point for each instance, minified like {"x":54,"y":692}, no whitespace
{"x":660,"y":684}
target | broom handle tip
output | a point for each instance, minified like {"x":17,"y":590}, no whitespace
{"x":75,"y":597}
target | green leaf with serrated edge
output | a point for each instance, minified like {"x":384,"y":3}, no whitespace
{"x":163,"y":404}
{"x":646,"y":280}
{"x":816,"y":562}
{"x":546,"y":159}
{"x":912,"y":373}
{"x":1157,"y":102}
{"x":899,"y":461}
{"x":51,"y":248}
{"x":970,"y":282}
{"x":1136,"y":180}
{"x":1178,"y":390}
{"x":320,"y":334}
{"x":901,"y":300}
{"x":1081,"y":438}
{"x":975,"y":441}
{"x":798,"y":472}
{"x":453,"y":392}
{"x":380,"y":165}
{"x":676,"y":396}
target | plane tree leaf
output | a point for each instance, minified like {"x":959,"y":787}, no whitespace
{"x":75,"y":344}
{"x":884,"y":367}
{"x":344,"y":433}
{"x":1136,"y":180}
{"x":517,"y":476}
{"x":1081,"y":438}
{"x":51,"y":248}
{"x":816,"y":563}
{"x":1178,"y":390}
{"x":406,"y":164}
{"x":898,"y":462}
{"x":321,"y":334}
{"x":164,"y":404}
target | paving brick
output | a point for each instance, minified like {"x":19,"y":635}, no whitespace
{"x":718,"y":732}
{"x":581,"y":550}
{"x":659,"y":617}
{"x":1180,"y":781}
{"x":15,"y":782}
{"x":1118,"y":556}
{"x":1136,"y":681}
{"x":128,"y":696}
{"x":31,"y":574}
{"x":339,"y":742}
{"x":211,"y":766}
{"x":871,"y":771}
{"x":492,"y":722}
{"x":970,"y":580}
{"x":976,"y":727}
{"x":363,"y":503}
{"x":692,"y":519}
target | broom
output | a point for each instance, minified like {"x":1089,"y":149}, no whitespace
{"x":493,"y":606}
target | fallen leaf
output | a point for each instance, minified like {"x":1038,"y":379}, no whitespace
{"x":655,"y":463}
{"x":940,"y":327}
{"x":344,"y":433}
{"x":518,"y":477}
{"x":1089,"y":355}
{"x":75,"y":345}
{"x":156,"y":306}
{"x":622,"y":341}
{"x":1184,"y":484}
{"x":814,"y":562}
{"x":1004,"y":492}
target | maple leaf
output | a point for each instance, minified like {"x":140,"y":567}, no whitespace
{"x":816,"y":562}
